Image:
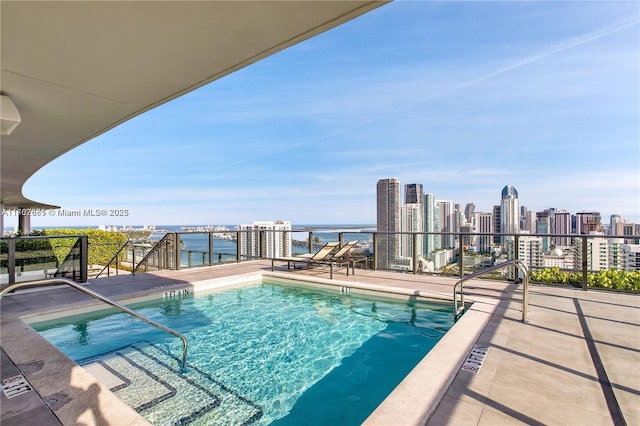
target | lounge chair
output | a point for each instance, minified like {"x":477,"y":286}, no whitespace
{"x":307,"y":258}
{"x":342,"y":257}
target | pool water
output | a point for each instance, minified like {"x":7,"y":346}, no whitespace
{"x":268,"y":354}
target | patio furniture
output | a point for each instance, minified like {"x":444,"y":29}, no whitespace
{"x":307,"y":258}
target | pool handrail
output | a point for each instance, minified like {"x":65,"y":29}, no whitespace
{"x":525,"y":284}
{"x":185,"y":344}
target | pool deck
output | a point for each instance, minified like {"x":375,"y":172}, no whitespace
{"x":576,"y":361}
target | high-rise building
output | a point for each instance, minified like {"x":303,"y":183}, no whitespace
{"x":543,"y":226}
{"x":509,"y":211}
{"x":484,"y":225}
{"x":468,"y":241}
{"x":524,"y":215}
{"x":431,"y":224}
{"x":615,"y":224}
{"x":530,"y":222}
{"x":562,"y":227}
{"x":413,"y":193}
{"x":497,"y":225}
{"x":411,"y":221}
{"x":266,"y":237}
{"x":588,"y":222}
{"x":388,"y":220}
{"x":448,"y":222}
{"x":469,"y":213}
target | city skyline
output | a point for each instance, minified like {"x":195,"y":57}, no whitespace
{"x":463,"y":97}
{"x":94,"y":215}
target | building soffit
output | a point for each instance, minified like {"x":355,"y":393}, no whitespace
{"x":77,"y":69}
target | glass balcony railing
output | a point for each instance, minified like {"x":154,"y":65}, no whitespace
{"x":580,"y":260}
{"x":40,"y":257}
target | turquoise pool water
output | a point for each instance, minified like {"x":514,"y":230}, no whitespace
{"x":268,"y":354}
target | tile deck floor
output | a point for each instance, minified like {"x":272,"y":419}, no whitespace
{"x":576,"y":361}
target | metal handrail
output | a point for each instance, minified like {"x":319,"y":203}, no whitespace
{"x":115,"y":256}
{"x":183,"y":363}
{"x":156,"y":248}
{"x":525,"y":284}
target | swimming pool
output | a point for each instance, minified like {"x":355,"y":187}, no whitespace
{"x":265,"y":354}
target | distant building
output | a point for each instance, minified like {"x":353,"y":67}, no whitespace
{"x":529,"y":250}
{"x":597,"y":253}
{"x":632,"y":257}
{"x":543,"y":226}
{"x":497,"y":225}
{"x":588,"y":222}
{"x":431,"y":224}
{"x":470,"y":213}
{"x":484,"y":225}
{"x":616,"y":222}
{"x":388,"y":220}
{"x":411,"y":221}
{"x":530,"y":222}
{"x":559,"y":258}
{"x":267,"y":237}
{"x":448,"y":222}
{"x":468,"y":241}
{"x":562,"y":227}
{"x":509,"y":211}
{"x":413,"y":193}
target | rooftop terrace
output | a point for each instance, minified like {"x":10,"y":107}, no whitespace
{"x":575,"y":362}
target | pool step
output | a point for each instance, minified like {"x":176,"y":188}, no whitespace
{"x":146,"y":377}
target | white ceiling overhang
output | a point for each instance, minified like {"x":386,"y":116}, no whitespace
{"x":76,"y":69}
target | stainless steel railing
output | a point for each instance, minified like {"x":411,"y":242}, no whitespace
{"x":185,"y":344}
{"x":514,"y":262}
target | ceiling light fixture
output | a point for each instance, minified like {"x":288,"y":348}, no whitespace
{"x":9,"y":115}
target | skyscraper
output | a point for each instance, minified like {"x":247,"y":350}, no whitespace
{"x":413,"y":193}
{"x":509,"y":211}
{"x":497,"y":226}
{"x":388,"y":220}
{"x":588,"y":222}
{"x":543,"y":226}
{"x":411,"y":221}
{"x":562,"y":226}
{"x":431,"y":224}
{"x":485,"y":225}
{"x":448,"y":222}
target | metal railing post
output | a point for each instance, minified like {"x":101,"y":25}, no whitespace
{"x":585,"y":263}
{"x":516,"y":256}
{"x":415,"y":253}
{"x":12,"y":260}
{"x":375,"y":251}
{"x":84,"y":258}
{"x":133,"y":259}
{"x":210,"y":249}
{"x":178,"y":259}
{"x":238,"y":246}
{"x":460,"y":257}
{"x":525,"y":293}
{"x":310,"y":242}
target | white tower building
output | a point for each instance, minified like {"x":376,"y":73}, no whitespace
{"x":266,"y":237}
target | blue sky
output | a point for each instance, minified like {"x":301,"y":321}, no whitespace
{"x":463,"y":97}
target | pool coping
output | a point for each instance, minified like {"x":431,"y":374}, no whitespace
{"x":411,"y":402}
